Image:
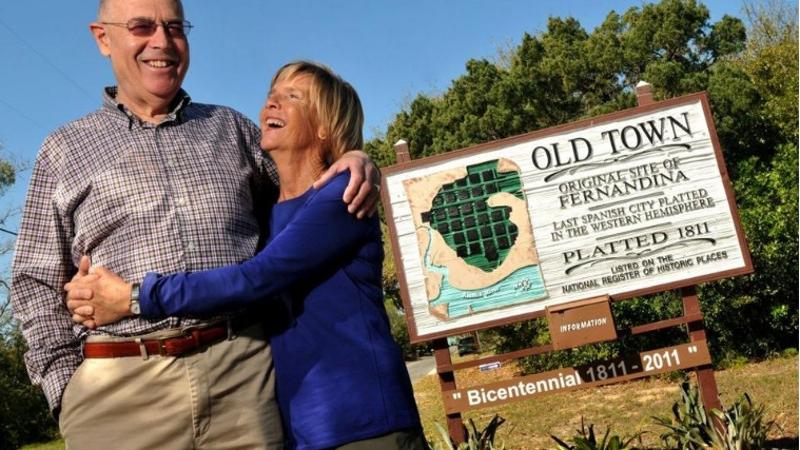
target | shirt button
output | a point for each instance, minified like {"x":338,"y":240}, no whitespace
{"x":180,"y":201}
{"x":190,"y":247}
{"x":171,"y":162}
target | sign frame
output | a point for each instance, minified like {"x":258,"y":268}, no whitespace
{"x":701,"y":98}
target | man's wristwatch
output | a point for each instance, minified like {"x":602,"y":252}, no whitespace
{"x":135,"y":308}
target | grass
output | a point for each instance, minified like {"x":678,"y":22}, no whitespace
{"x":58,"y":444}
{"x":627,"y":408}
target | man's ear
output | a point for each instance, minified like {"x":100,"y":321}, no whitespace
{"x":100,"y":38}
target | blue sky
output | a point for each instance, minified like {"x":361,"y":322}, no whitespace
{"x":389,"y":50}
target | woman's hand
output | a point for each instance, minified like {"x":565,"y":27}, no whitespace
{"x":363,"y":191}
{"x":99,"y":297}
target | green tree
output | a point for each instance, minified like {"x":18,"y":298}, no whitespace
{"x":770,"y":59}
{"x":755,"y":95}
{"x":566,"y":73}
{"x":8,"y":174}
{"x":767,"y":195}
{"x":24,"y":415}
{"x":397,"y":322}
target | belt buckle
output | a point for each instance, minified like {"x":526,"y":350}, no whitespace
{"x":162,"y":349}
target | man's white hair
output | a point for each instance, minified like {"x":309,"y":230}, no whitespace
{"x":103,"y":7}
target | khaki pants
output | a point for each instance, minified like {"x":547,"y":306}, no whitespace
{"x":222,"y":397}
{"x":411,"y":439}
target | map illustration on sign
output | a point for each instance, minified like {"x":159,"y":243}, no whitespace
{"x":475,"y":239}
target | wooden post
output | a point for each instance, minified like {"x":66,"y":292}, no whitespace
{"x":709,"y":393}
{"x":644,"y":93}
{"x":401,"y":151}
{"x":447,"y":382}
{"x":441,"y":351}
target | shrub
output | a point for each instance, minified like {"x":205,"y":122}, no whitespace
{"x":587,"y":440}
{"x":740,"y":427}
{"x":476,"y":439}
{"x":24,"y":415}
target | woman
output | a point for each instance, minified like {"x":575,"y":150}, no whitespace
{"x":341,"y":381}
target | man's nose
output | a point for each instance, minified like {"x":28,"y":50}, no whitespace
{"x":161,"y":37}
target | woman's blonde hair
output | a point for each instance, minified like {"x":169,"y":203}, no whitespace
{"x":335,"y":106}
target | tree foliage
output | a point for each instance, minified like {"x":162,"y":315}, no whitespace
{"x":24,"y":414}
{"x":8,"y":175}
{"x":567,"y":73}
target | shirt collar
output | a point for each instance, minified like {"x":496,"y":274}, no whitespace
{"x":110,"y":103}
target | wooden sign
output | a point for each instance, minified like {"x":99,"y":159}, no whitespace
{"x":580,"y":323}
{"x":596,"y":374}
{"x":622,"y":205}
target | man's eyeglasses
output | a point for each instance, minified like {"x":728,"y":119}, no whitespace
{"x":148,"y":27}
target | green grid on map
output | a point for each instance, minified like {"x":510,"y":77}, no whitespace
{"x":480,"y":234}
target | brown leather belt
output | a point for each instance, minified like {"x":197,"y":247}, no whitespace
{"x":193,"y":340}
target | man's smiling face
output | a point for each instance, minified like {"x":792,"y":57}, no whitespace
{"x":149,"y":69}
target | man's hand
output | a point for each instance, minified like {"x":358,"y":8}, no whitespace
{"x":363,"y":191}
{"x":101,"y":294}
{"x":82,"y":312}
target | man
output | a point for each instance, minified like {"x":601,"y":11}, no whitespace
{"x":150,"y":181}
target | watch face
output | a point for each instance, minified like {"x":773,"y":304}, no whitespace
{"x":135,"y":308}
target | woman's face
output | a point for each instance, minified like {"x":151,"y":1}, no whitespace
{"x":286,"y":119}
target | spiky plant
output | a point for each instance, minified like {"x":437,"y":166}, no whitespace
{"x":587,"y":440}
{"x":476,"y":439}
{"x":740,"y":427}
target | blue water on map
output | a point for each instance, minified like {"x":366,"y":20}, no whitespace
{"x":523,"y":285}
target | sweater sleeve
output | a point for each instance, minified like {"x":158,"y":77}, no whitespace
{"x":315,"y":238}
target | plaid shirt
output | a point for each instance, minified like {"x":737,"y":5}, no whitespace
{"x":136,"y":197}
